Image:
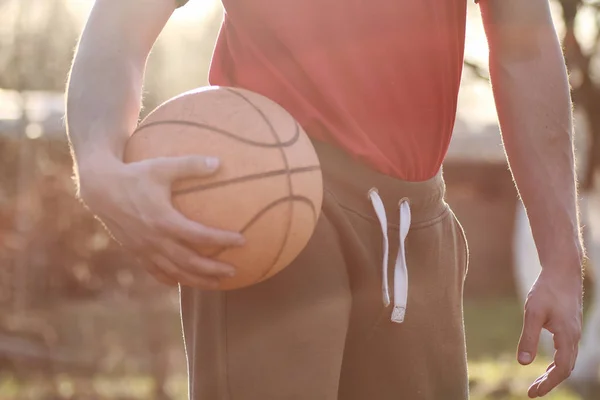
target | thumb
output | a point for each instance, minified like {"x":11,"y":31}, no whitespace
{"x":533,"y":323}
{"x":174,"y":168}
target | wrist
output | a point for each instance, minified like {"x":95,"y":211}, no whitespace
{"x":565,"y":259}
{"x":93,"y":169}
{"x":96,"y":147}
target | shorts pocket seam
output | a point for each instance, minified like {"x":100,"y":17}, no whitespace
{"x":465,"y":243}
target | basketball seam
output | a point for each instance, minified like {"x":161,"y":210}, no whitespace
{"x":244,"y":179}
{"x":230,"y":135}
{"x":264,"y":210}
{"x":289,"y":176}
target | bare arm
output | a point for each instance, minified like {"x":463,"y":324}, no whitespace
{"x":531,"y":91}
{"x":134,"y":200}
{"x":105,"y":84}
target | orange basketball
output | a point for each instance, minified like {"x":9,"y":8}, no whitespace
{"x":268,"y":187}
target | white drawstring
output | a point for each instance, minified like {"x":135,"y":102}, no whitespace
{"x":380,"y":211}
{"x":400,"y":269}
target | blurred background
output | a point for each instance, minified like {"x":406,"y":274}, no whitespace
{"x":79,"y":321}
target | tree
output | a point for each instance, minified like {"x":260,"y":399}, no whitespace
{"x":36,"y":44}
{"x":583,"y":68}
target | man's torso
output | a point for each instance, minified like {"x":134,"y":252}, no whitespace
{"x":378,"y":78}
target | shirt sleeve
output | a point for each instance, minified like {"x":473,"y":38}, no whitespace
{"x":181,"y":3}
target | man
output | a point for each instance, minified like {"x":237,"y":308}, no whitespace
{"x":375,"y":85}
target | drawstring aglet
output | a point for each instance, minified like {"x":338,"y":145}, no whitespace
{"x":398,"y":314}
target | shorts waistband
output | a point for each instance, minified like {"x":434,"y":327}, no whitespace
{"x":351,"y":180}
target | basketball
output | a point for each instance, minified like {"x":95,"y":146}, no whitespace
{"x":268,"y":187}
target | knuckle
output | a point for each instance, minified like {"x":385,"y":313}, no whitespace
{"x":148,"y":220}
{"x":154,"y":167}
{"x":171,"y":254}
{"x":529,"y":299}
{"x":183,"y":262}
{"x":140,"y":170}
{"x":183,"y":253}
{"x":570,"y":334}
{"x":156,"y":272}
{"x":185,"y":266}
{"x":163,"y":223}
{"x":563,"y":372}
{"x":573,"y":338}
{"x":196,"y":262}
{"x":533,"y":312}
{"x":172,"y":222}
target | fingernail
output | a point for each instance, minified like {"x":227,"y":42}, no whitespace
{"x":212,"y":162}
{"x":241,"y":240}
{"x":230,"y":272}
{"x":525,"y":357}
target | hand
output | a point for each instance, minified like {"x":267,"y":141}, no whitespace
{"x":554,"y":303}
{"x":134,"y":203}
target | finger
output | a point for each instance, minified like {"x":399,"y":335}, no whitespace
{"x":565,"y":350}
{"x":192,"y":262}
{"x":182,"y":276}
{"x":194,"y":233}
{"x":154,"y":271}
{"x":169,"y":169}
{"x":159,"y":275}
{"x":563,"y":364}
{"x":528,"y":343}
{"x":533,"y":389}
{"x":546,"y":383}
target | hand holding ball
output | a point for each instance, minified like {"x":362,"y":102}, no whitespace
{"x":268,"y":187}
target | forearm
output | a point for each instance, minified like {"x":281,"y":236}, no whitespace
{"x":105,"y":85}
{"x":103,"y":102}
{"x":534,"y":108}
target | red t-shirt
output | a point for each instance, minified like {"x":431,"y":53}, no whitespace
{"x":379,"y":78}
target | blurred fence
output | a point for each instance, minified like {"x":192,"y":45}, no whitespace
{"x":70,"y":299}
